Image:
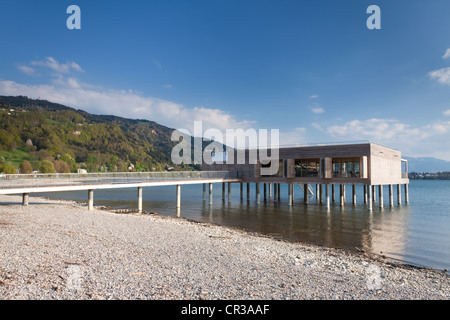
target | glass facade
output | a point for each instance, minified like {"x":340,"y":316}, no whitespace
{"x":307,"y":168}
{"x":346,"y":168}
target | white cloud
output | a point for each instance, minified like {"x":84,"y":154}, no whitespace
{"x":70,"y":91}
{"x":56,"y":66}
{"x":446,"y":112}
{"x":314,"y":96}
{"x":441,"y":75}
{"x":317,"y":126}
{"x":447,"y":54}
{"x":27,"y":70}
{"x":426,"y":140}
{"x":128,"y":104}
{"x":317,"y":110}
{"x":378,"y":130}
{"x":297,"y":136}
{"x":438,"y":128}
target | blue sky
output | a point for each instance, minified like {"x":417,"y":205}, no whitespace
{"x":311,"y":69}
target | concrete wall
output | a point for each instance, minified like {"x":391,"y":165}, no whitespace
{"x":385,"y":166}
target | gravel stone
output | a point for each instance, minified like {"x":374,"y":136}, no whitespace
{"x":58,"y":250}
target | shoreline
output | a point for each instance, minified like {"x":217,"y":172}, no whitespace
{"x":354,"y":250}
{"x":56,"y":249}
{"x":357,"y":251}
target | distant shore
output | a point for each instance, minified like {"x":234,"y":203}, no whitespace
{"x":53,"y":250}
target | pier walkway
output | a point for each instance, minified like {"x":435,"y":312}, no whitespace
{"x":25,"y":184}
{"x":42,"y":183}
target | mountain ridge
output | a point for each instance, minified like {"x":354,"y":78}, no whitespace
{"x":427,"y":164}
{"x":40,"y":130}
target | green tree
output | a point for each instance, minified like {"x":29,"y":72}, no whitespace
{"x":46,"y":166}
{"x":9,"y":169}
{"x":5,"y":139}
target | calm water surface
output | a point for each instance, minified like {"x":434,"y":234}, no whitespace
{"x":418,"y":233}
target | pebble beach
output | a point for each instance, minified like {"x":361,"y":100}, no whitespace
{"x":58,"y":250}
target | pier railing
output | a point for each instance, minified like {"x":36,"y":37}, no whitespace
{"x":12,"y":180}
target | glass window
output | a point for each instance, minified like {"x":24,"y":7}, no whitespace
{"x":335,"y":169}
{"x":357,"y":172}
{"x":342,"y":170}
{"x":307,"y":168}
{"x":313,"y":168}
{"x":349,"y":170}
{"x":298,"y":168}
{"x":346,"y":168}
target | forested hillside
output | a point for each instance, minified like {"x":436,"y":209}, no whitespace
{"x":49,"y":137}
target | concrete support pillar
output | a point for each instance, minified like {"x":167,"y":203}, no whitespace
{"x":91,"y":200}
{"x":270,"y":190}
{"x":258,"y":193}
{"x":229,"y":191}
{"x":292,"y":187}
{"x":25,"y":199}
{"x":279,"y":191}
{"x":406,"y":194}
{"x":353,"y":194}
{"x":139,"y":199}
{"x":380,"y":195}
{"x":178,"y":200}
{"x":365,"y":193}
{"x":327,"y":196}
{"x":374,"y":195}
{"x":242,"y":190}
{"x":223,"y":191}
{"x":333,"y":193}
{"x":342,"y":194}
{"x":210,"y":193}
{"x":265,"y":191}
{"x":317,"y":191}
{"x":399,"y":195}
{"x":178,"y":196}
{"x":306,"y":193}
{"x":248,"y":191}
{"x":275,"y":191}
{"x":391,"y":195}
{"x":291,"y":197}
{"x":369,"y":200}
{"x":204,"y":192}
{"x":321,"y":193}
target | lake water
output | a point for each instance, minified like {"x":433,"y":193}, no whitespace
{"x":417,"y":233}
